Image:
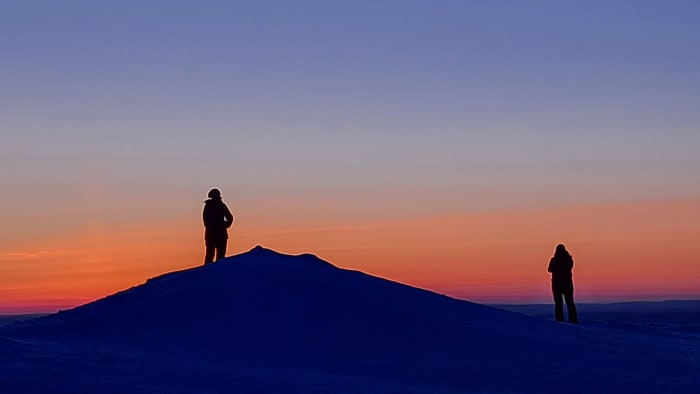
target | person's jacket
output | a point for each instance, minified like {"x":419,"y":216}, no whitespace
{"x":560,"y":266}
{"x":217,"y":218}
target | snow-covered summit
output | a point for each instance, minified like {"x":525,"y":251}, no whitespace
{"x":265,"y":296}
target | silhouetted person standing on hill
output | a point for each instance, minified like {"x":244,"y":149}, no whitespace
{"x":560,"y":266}
{"x":217,"y":219}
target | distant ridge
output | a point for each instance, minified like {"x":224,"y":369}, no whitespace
{"x":685,"y":313}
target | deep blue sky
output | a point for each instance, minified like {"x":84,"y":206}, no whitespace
{"x":549,"y":102}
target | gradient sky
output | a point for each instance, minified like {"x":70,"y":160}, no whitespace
{"x":444,"y":144}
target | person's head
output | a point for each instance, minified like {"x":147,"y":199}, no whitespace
{"x":214,"y":194}
{"x":561,"y":250}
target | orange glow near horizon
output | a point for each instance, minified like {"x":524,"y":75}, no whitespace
{"x":643,"y":250}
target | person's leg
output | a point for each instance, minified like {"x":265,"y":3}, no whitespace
{"x":209,"y":253}
{"x":221,"y":250}
{"x":570,"y":306}
{"x":558,"y":303}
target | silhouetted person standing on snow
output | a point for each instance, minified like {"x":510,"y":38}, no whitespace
{"x":560,"y":266}
{"x":217,"y":219}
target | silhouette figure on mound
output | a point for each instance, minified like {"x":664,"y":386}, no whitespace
{"x":560,"y":266}
{"x":217,"y":219}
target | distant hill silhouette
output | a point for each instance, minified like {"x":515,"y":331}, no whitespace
{"x":266,"y":300}
{"x":263,"y":313}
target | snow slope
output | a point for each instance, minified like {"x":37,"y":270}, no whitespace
{"x":671,"y":315}
{"x":267,"y":322}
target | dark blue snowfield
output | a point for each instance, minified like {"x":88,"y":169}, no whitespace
{"x":272,"y":323}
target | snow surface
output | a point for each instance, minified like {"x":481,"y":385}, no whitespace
{"x":267,"y":322}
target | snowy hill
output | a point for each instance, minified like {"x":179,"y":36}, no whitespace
{"x":267,"y":322}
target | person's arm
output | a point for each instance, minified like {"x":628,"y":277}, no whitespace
{"x":550,"y":267}
{"x":228,"y":215}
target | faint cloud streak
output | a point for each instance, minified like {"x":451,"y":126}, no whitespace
{"x":19,"y":256}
